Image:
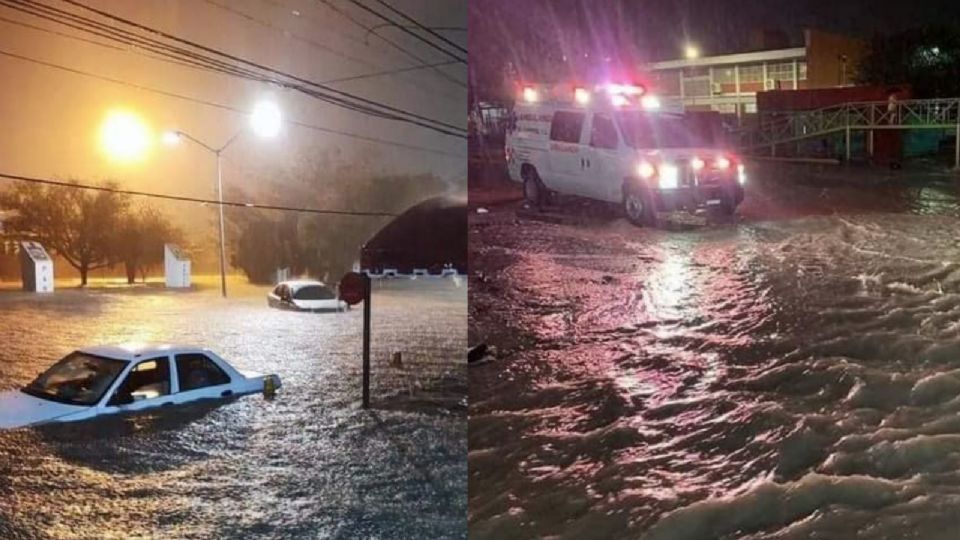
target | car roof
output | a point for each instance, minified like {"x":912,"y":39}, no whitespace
{"x":299,"y":283}
{"x":133,"y":351}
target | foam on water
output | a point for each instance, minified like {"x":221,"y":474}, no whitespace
{"x":781,"y":380}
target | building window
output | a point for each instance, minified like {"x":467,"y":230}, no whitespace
{"x":724,"y":75}
{"x":780,"y":72}
{"x":802,"y":70}
{"x":696,"y":87}
{"x":749,"y":74}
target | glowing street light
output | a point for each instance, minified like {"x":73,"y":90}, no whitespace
{"x":170,"y":138}
{"x":691,"y":51}
{"x":124,"y":136}
{"x":266,"y":121}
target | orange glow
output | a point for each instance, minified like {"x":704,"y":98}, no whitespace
{"x":124,"y":136}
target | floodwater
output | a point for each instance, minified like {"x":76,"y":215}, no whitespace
{"x":308,"y":464}
{"x":786,"y":376}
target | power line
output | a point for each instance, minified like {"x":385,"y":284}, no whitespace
{"x":408,"y":31}
{"x":323,"y":92}
{"x":197,"y":59}
{"x":90,"y":26}
{"x":323,"y":47}
{"x":314,"y":127}
{"x":107,"y":189}
{"x":390,"y":72}
{"x":390,"y":42}
{"x":422,"y":27}
{"x":97,"y":43}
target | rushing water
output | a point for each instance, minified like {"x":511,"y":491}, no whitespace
{"x":308,"y":464}
{"x":770,"y":379}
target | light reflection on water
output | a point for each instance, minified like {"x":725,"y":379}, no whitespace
{"x":309,"y":463}
{"x":729,"y":366}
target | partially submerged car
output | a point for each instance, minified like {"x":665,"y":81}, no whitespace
{"x":305,"y":295}
{"x":112,"y":379}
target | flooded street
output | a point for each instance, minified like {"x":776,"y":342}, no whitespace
{"x":793,"y":375}
{"x":308,"y":464}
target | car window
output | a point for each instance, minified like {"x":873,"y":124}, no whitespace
{"x":77,"y":379}
{"x":195,"y":371}
{"x":314,"y":292}
{"x":566,"y":126}
{"x":149,"y":379}
{"x":604,"y":133}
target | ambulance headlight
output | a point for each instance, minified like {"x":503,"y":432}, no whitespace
{"x":669,"y":177}
{"x":651,"y":103}
{"x":646,"y":170}
{"x":581,"y":96}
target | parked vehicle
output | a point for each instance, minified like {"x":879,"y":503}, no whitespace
{"x":618,"y":144}
{"x":305,"y":295}
{"x":111,"y":379}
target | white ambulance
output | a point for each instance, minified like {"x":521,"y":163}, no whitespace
{"x":617,"y":143}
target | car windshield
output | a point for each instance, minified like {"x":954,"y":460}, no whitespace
{"x":642,"y":130}
{"x":78,"y":379}
{"x":314,"y":292}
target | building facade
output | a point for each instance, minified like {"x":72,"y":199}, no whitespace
{"x":729,"y":83}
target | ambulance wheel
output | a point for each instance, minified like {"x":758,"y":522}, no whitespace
{"x":639,"y":207}
{"x":533,"y":190}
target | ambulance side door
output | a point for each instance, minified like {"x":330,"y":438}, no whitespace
{"x":604,"y":177}
{"x":566,"y":155}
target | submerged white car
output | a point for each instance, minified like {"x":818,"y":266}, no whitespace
{"x":112,"y":379}
{"x":305,"y":295}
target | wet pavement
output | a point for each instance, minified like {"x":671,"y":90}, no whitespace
{"x":308,"y":464}
{"x":792,"y":374}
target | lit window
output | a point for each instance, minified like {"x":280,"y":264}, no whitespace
{"x":750,"y":74}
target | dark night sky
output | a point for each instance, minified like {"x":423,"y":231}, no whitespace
{"x":724,"y":25}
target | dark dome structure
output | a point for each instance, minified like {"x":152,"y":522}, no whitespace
{"x":431,"y":235}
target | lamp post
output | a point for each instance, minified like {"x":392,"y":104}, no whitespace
{"x":265,"y":121}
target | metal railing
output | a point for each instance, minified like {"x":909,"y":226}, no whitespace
{"x":774,"y":128}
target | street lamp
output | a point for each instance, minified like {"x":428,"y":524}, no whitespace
{"x":265,"y":121}
{"x":124,"y":136}
{"x":691,"y":52}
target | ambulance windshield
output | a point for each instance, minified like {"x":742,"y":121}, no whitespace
{"x":644,"y":130}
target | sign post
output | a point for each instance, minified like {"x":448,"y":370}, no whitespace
{"x":355,"y":288}
{"x":366,"y":342}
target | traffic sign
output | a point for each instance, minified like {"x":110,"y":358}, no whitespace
{"x":353,"y":288}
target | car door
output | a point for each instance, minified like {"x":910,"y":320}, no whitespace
{"x":604,"y":177}
{"x":146,"y":385}
{"x":566,"y":155}
{"x":199,"y":376}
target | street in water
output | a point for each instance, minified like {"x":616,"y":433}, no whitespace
{"x":308,"y":463}
{"x":787,"y":375}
